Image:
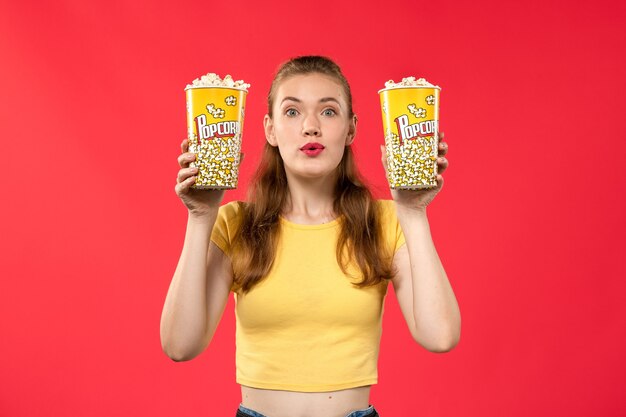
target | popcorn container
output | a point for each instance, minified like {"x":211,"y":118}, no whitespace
{"x":215,"y":125}
{"x":411,"y":126}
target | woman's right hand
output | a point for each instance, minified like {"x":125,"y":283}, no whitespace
{"x":200,"y":203}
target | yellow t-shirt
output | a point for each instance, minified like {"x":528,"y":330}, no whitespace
{"x":305,"y":327}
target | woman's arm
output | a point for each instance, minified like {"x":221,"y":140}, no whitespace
{"x":424,"y":293}
{"x":197,"y":294}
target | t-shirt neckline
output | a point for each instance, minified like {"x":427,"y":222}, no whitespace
{"x":332,"y":223}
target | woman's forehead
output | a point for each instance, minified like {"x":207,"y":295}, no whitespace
{"x":310,"y":87}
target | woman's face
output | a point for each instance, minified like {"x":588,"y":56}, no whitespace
{"x":310,"y":125}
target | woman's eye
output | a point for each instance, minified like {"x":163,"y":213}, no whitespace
{"x":329,"y":112}
{"x":291,"y":112}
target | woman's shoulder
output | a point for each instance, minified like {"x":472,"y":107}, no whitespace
{"x":386,"y":207}
{"x":234,"y":205}
{"x":387,"y":212}
{"x":231,"y":210}
{"x":390,"y":223}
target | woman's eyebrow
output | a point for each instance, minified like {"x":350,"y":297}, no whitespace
{"x":333,"y":99}
{"x":327,"y":99}
{"x":322,"y":100}
{"x":292,"y":99}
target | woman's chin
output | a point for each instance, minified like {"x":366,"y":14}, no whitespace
{"x":313,"y":174}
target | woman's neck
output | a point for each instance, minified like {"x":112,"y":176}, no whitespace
{"x":310,"y":200}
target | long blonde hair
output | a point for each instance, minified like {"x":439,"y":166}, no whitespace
{"x":360,"y":240}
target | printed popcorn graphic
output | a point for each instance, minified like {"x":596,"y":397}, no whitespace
{"x":385,"y":107}
{"x":216,"y":113}
{"x":217,"y":162}
{"x":231,"y":100}
{"x":411,"y":163}
{"x":430,"y":100}
{"x":418,"y":113}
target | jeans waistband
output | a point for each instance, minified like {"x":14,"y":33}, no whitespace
{"x":367,"y":412}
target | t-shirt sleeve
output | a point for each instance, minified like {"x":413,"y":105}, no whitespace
{"x":226,"y":224}
{"x":391,"y":225}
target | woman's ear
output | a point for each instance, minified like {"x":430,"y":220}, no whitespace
{"x":268,"y":125}
{"x":351,"y":130}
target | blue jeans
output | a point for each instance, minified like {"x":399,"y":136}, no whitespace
{"x":368,"y":412}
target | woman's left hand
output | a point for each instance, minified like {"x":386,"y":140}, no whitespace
{"x":419,"y":199}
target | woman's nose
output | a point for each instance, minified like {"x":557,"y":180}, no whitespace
{"x":311,"y":127}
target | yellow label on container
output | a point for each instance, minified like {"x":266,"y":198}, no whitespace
{"x":411,"y":126}
{"x":215,"y":124}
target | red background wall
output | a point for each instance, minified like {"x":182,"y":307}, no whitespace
{"x":529,"y":225}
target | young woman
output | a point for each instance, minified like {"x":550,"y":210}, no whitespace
{"x":309,"y":258}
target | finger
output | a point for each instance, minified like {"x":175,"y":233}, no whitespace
{"x":185,"y":173}
{"x":183,"y":187}
{"x":442,"y":164}
{"x":441,"y":135}
{"x":185,"y":158}
{"x":443,"y":148}
{"x":241,"y":156}
{"x":439,"y":182}
{"x":184,"y":146}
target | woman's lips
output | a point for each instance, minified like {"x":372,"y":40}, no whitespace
{"x":312,"y":149}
